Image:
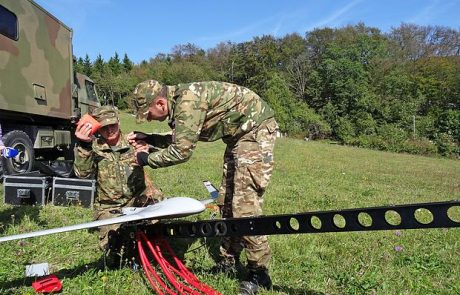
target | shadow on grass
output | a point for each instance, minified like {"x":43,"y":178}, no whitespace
{"x":294,"y":291}
{"x":7,"y":286}
{"x":102,"y":264}
{"x":179,"y":246}
{"x":213,"y":248}
{"x":213,"y":245}
{"x":182,"y":246}
{"x":14,"y":215}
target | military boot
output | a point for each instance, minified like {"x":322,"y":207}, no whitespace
{"x":255,"y":279}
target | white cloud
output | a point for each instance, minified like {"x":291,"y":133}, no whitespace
{"x":277,"y":27}
{"x":330,"y":20}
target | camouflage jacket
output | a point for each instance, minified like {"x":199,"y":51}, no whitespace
{"x":119,"y":178}
{"x":207,"y":111}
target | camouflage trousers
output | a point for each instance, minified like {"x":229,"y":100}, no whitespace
{"x":248,"y":166}
{"x":151,"y":196}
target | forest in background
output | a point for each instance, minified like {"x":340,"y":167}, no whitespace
{"x":356,"y":85}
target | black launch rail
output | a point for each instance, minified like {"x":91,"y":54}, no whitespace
{"x":413,"y":216}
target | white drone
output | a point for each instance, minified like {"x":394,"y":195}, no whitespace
{"x":170,"y":208}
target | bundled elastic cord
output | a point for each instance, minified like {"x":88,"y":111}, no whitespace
{"x":179,"y":277}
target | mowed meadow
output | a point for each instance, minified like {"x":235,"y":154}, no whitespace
{"x":308,"y":176}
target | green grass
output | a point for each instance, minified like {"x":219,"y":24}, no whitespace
{"x":308,"y":176}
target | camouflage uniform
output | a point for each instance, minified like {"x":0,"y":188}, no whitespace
{"x":208,"y":111}
{"x":120,"y":180}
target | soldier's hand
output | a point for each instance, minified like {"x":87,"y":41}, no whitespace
{"x":135,"y":136}
{"x":141,"y":146}
{"x":83,"y":132}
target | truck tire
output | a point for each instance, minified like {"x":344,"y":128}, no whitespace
{"x":24,"y":161}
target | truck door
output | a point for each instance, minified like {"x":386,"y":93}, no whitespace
{"x":87,"y":95}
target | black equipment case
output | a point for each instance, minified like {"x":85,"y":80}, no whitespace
{"x":73,"y":191}
{"x":27,"y":189}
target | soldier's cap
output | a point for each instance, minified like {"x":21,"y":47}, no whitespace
{"x":143,"y":95}
{"x":106,"y":115}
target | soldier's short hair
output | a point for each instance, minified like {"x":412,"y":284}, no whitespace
{"x":143,"y":96}
{"x":106,"y":115}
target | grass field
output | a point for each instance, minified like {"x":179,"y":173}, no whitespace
{"x":308,"y":176}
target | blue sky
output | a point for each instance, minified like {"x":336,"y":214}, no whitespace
{"x":144,"y":28}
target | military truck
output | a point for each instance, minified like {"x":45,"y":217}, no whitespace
{"x":41,"y":97}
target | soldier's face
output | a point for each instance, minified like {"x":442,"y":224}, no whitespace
{"x":110,"y":132}
{"x":158,"y":109}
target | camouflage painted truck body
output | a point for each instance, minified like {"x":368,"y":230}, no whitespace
{"x":40,"y":95}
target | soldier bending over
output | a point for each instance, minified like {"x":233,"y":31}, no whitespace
{"x":208,"y":111}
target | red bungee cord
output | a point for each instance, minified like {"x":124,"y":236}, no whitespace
{"x":155,"y":280}
{"x":178,"y":276}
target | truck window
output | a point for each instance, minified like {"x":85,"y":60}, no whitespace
{"x":8,"y":23}
{"x":91,"y":91}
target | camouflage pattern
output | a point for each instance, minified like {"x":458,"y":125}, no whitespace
{"x":88,"y":98}
{"x":120,"y":181}
{"x":106,"y":115}
{"x":105,"y":232}
{"x":206,"y":111}
{"x":144,"y":94}
{"x":37,"y":83}
{"x":119,"y":178}
{"x":248,"y":166}
{"x":36,"y":70}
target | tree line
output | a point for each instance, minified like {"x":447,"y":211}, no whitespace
{"x":397,"y":91}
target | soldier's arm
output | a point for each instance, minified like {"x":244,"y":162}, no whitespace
{"x":84,"y":164}
{"x":154,"y":140}
{"x":159,"y":140}
{"x":189,"y":116}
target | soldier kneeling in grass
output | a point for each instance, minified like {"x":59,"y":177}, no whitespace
{"x":121,"y":182}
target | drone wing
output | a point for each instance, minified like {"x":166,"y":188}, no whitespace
{"x":213,"y":192}
{"x":169,"y":208}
